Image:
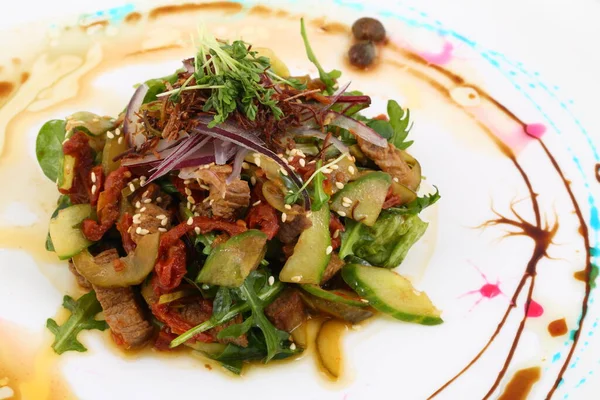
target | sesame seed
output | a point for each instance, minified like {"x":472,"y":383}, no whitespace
{"x":256,"y":155}
{"x":110,"y":135}
{"x":191,"y":200}
{"x":271,"y":280}
{"x":283,"y":171}
{"x":210,"y":203}
{"x":309,"y":214}
{"x":257,"y":161}
{"x":127,"y":174}
{"x":138,"y":204}
{"x":296,"y":278}
{"x":132,"y":187}
{"x":190,"y":221}
{"x":142,"y":209}
{"x":189,"y":205}
{"x":336,"y":233}
{"x":197,"y":230}
{"x":293,"y":346}
{"x":290,"y":158}
{"x":328,"y":250}
{"x":93,"y":177}
{"x":162,"y":229}
{"x":283,"y":217}
{"x":301,"y":153}
{"x":205,"y":287}
{"x":293,"y":152}
{"x":188,"y":191}
{"x":346,"y":205}
{"x":196,"y":214}
{"x":245,"y":165}
{"x":120,"y":141}
{"x":159,"y":199}
{"x":257,"y":202}
{"x":351,"y":170}
{"x":138,"y":230}
{"x":253,"y":180}
{"x":312,"y":161}
{"x":292,"y":168}
{"x":339,"y":185}
{"x":144,"y":231}
{"x":364,"y":300}
{"x":161,"y":216}
{"x":335,"y":166}
{"x":94,"y":188}
{"x":396,"y":180}
{"x":287,"y":207}
{"x":137,"y":216}
{"x":147,"y":201}
{"x":117,"y":132}
{"x":164,"y":222}
{"x":302,"y":162}
{"x":341,"y":213}
{"x":187,"y":181}
{"x":205,"y":187}
{"x":346,"y":199}
{"x":326,"y":170}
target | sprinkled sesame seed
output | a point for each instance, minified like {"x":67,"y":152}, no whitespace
{"x":328,"y":250}
{"x":364,"y":300}
{"x":127,"y":174}
{"x":245,"y":165}
{"x":351,"y":170}
{"x":205,"y":187}
{"x":197,"y":230}
{"x":293,"y":152}
{"x":146,"y":193}
{"x":120,"y":141}
{"x":110,"y":135}
{"x":335,"y":166}
{"x":283,"y":217}
{"x":287,"y":207}
{"x":293,"y":346}
{"x":138,"y":230}
{"x":253,"y":181}
{"x":190,"y":221}
{"x":290,"y":158}
{"x":159,"y":199}
{"x":94,"y":188}
{"x":189,"y":205}
{"x":117,"y":132}
{"x":257,"y":161}
{"x":346,"y":199}
{"x":144,"y":231}
{"x":187,"y":181}
{"x":205,"y":287}
{"x":296,"y":278}
{"x":271,"y":280}
{"x":132,"y":187}
{"x":339,"y":185}
{"x":301,"y":153}
{"x":93,"y":177}
{"x":164,"y":222}
{"x":327,"y":170}
{"x":210,"y":203}
{"x":142,"y":209}
{"x":302,"y":162}
{"x":309,"y":214}
{"x":341,"y":213}
{"x":137,"y":216}
{"x":283,"y":171}
{"x":292,"y":168}
{"x":147,"y":201}
{"x":191,"y":200}
{"x":162,"y":229}
{"x":257,"y":202}
{"x":138,"y":204}
{"x":336,"y":233}
{"x":196,"y":214}
{"x":346,"y":205}
{"x":161,"y":216}
{"x":188,"y":191}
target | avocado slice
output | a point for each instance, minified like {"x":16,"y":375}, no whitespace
{"x":363,"y":198}
{"x":231,"y":262}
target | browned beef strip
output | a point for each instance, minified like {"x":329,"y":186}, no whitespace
{"x":147,"y":217}
{"x":81,"y":281}
{"x":287,"y":312}
{"x":334,"y":265}
{"x":290,"y":230}
{"x":389,"y":159}
{"x":224,"y":199}
{"x":122,"y":312}
{"x":195,"y":314}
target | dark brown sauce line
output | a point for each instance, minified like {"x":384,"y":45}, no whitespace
{"x":588,"y":270}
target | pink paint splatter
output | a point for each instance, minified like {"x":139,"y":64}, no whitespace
{"x":440,"y":58}
{"x":535,"y":130}
{"x":489,"y":290}
{"x":534,"y":309}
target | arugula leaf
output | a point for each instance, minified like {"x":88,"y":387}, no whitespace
{"x":167,"y":186}
{"x":319,"y":195}
{"x":328,"y":78}
{"x":63,"y":202}
{"x":400,"y":123}
{"x":236,"y":330}
{"x":206,"y":240}
{"x":83,"y":313}
{"x":48,"y":147}
{"x":386,"y":243}
{"x":222,"y":303}
{"x":274,"y":338}
{"x":418,"y":204}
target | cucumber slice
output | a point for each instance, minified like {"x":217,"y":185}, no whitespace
{"x":310,"y":257}
{"x":66,"y":173}
{"x":391,"y":293}
{"x":338,"y":296}
{"x":230,"y":263}
{"x":343,"y":311}
{"x":65,"y":233}
{"x":363,"y":198}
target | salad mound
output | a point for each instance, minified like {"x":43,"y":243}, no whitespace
{"x":229,"y":203}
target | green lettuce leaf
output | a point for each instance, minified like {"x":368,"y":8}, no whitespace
{"x":83,"y":317}
{"x":48,"y":147}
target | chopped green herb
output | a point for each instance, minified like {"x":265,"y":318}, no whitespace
{"x":328,"y":78}
{"x":400,"y":121}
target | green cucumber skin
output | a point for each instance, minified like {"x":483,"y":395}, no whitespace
{"x":324,"y":294}
{"x":350,"y":277}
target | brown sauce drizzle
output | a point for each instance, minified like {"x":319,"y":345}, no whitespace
{"x":133,"y":17}
{"x":520,"y":385}
{"x":580,"y":275}
{"x":598,"y":172}
{"x":6,"y":88}
{"x":227,"y":7}
{"x":558,"y":327}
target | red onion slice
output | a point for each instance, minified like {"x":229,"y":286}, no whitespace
{"x":130,"y":121}
{"x":318,"y":134}
{"x":355,"y":127}
{"x":223,"y":151}
{"x":237,"y":165}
